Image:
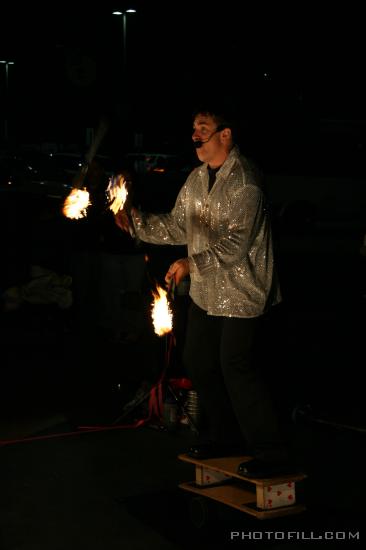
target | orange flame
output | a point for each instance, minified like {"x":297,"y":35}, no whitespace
{"x":117,"y":193}
{"x":161,"y":312}
{"x":76,"y":203}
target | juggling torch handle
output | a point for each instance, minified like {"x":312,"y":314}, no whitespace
{"x":98,"y":138}
{"x":171,"y":288}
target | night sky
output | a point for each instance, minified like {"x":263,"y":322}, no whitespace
{"x":284,"y":68}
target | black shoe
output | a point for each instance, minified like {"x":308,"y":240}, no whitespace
{"x":259,"y":468}
{"x":213,"y":450}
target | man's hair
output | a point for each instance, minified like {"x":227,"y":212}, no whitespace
{"x":223,"y":116}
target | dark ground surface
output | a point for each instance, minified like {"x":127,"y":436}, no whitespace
{"x":118,"y":488}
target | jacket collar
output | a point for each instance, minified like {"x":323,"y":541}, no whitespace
{"x":226,"y":166}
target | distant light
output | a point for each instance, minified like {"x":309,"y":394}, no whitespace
{"x":7,"y":62}
{"x":122,"y":12}
{"x":266,"y":75}
{"x":9,"y":182}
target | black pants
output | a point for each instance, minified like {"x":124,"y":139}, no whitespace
{"x":219,"y":357}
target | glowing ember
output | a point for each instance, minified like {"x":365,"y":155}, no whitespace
{"x":76,"y":204}
{"x":117,"y":193}
{"x":161,"y":313}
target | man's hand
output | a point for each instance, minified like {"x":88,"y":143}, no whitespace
{"x":123,"y":221}
{"x":177,"y":271}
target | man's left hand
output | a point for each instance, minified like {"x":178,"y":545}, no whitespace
{"x":177,"y":271}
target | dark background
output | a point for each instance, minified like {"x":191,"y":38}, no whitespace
{"x":285,"y":69}
{"x":295,"y":76}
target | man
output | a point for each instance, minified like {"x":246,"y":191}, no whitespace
{"x":220,"y":214}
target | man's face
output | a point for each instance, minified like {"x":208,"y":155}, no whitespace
{"x":213,"y":149}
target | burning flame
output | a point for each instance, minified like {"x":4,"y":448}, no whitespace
{"x":161,"y":312}
{"x":117,"y":193}
{"x":76,"y":204}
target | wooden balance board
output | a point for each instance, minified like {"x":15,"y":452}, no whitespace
{"x":217,"y":479}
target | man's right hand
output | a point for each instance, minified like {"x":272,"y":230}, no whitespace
{"x":122,"y":220}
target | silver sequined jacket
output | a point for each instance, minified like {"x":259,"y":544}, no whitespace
{"x":228,"y":237}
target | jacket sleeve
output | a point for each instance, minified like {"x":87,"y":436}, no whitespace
{"x":245,"y":219}
{"x":164,"y":228}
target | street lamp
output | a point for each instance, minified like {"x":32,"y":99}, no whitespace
{"x":6,"y":63}
{"x":124,"y":15}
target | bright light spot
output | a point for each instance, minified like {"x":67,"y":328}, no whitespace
{"x":117,"y":193}
{"x":161,"y":312}
{"x":76,"y":204}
